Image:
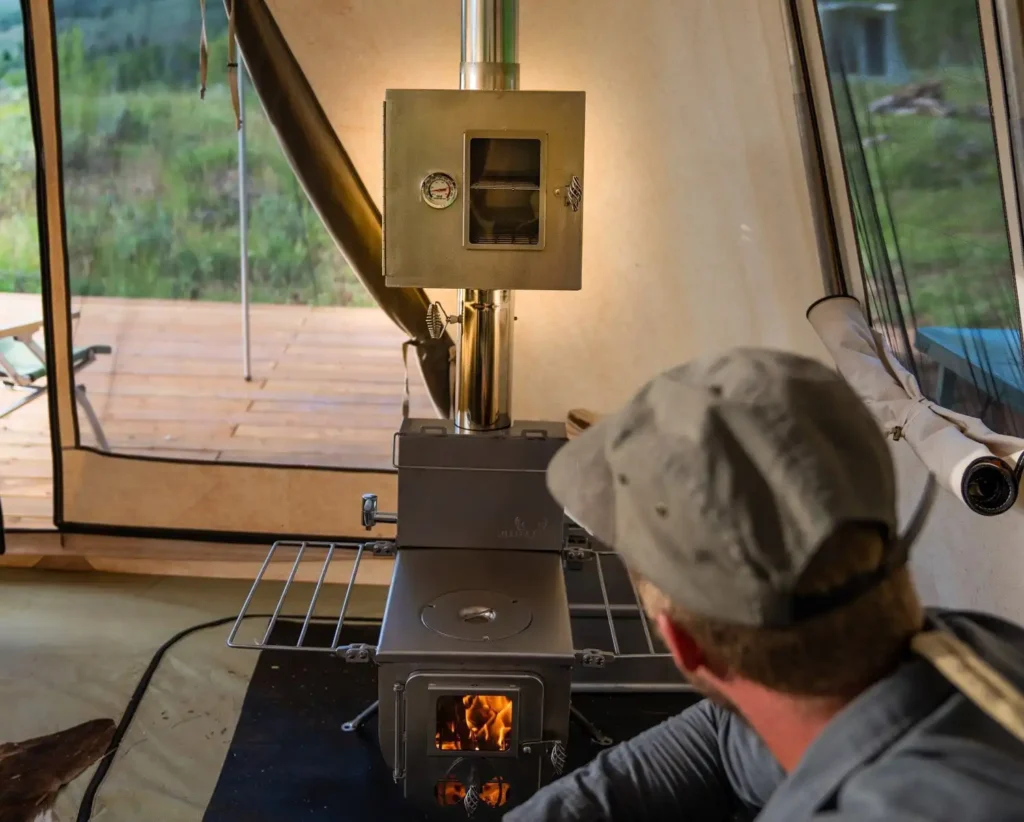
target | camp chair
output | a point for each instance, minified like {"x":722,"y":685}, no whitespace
{"x":23,"y":364}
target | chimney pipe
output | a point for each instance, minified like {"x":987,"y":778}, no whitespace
{"x":483,"y":383}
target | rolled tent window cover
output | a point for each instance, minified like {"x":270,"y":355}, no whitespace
{"x":968,"y":458}
{"x":935,"y":348}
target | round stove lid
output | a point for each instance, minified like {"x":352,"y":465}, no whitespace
{"x":476,"y":616}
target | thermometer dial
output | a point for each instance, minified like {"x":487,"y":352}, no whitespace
{"x":439,"y":190}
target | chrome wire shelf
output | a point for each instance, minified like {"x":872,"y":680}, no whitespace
{"x":604,"y":664}
{"x":294,"y":627}
{"x":610,"y":610}
{"x":635,"y":661}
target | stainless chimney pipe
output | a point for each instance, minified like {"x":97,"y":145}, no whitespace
{"x":483,"y":381}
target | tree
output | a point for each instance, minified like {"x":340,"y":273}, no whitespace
{"x":939,"y":32}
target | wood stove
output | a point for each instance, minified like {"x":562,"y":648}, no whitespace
{"x":477,"y":656}
{"x":476,"y":651}
{"x":474,"y":682}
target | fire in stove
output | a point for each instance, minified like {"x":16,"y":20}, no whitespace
{"x":453,"y":792}
{"x":473,"y":722}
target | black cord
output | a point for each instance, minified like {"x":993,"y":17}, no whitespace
{"x":85,"y":809}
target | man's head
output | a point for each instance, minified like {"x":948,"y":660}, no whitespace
{"x":753,"y":497}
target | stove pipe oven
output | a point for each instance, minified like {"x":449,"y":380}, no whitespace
{"x":483,"y":190}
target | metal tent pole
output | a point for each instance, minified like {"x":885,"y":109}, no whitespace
{"x":243,"y":224}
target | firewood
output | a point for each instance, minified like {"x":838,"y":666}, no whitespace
{"x":579,"y":420}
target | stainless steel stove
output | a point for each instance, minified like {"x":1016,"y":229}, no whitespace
{"x":478,"y":655}
{"x":474,"y":681}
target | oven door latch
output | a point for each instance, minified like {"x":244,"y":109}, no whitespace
{"x":572,"y":192}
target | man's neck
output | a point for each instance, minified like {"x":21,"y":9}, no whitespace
{"x":787,"y":724}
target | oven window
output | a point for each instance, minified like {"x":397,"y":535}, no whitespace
{"x":504,"y":191}
{"x":453,"y":792}
{"x":473,"y":722}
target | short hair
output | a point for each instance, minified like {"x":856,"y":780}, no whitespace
{"x":837,"y":653}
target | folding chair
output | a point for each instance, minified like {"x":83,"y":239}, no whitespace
{"x":23,"y":364}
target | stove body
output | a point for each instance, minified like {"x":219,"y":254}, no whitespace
{"x":474,"y":682}
{"x":476,"y":653}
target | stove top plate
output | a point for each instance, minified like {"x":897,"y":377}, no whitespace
{"x":477,"y":616}
{"x":459,"y":579}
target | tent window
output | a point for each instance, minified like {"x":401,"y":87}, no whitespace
{"x":152,"y":195}
{"x":24,"y":422}
{"x":924,"y":179}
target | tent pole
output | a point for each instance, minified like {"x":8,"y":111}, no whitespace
{"x":243,"y":224}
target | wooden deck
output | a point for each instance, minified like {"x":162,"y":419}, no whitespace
{"x":326,"y":389}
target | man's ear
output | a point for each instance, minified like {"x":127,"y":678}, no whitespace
{"x":685,"y":651}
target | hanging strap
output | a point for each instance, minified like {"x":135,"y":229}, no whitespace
{"x":974,"y":678}
{"x":233,"y":64}
{"x":204,"y":50}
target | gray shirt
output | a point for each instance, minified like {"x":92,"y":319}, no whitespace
{"x":911,"y":747}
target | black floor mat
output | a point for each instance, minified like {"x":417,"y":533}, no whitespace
{"x":290,"y":760}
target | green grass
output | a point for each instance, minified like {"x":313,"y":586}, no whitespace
{"x":944,"y":200}
{"x":151,"y":194}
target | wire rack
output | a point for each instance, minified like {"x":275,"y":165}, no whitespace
{"x":610,"y":609}
{"x":311,"y":562}
{"x":621,"y":658}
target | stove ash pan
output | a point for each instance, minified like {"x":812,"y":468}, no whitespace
{"x":485,"y":491}
{"x":474,"y":683}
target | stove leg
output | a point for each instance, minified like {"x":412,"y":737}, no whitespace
{"x":596,"y":734}
{"x":359,"y":720}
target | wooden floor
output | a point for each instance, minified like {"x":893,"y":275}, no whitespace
{"x":326,"y":389}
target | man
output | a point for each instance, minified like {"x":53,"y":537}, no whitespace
{"x":753,"y":498}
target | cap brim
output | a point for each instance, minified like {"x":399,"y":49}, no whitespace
{"x":580,"y":479}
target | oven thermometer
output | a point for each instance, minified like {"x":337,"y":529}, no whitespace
{"x":439,"y":190}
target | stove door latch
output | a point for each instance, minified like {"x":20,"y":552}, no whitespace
{"x":371,"y":516}
{"x":557,"y":755}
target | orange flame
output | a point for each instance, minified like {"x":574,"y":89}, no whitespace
{"x":473,"y":723}
{"x":452,"y":792}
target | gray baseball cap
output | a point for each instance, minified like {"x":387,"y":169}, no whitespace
{"x":721,"y":478}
